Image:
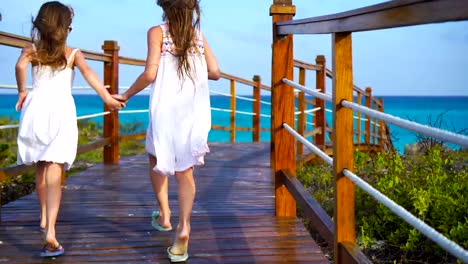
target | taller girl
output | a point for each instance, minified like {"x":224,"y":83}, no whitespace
{"x":48,"y":133}
{"x":178,"y":65}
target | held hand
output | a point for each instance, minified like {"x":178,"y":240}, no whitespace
{"x":21,"y":98}
{"x":120,"y":97}
{"x":114,"y":104}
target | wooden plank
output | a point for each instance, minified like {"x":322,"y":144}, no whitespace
{"x":312,"y":210}
{"x":389,"y":14}
{"x":139,"y":136}
{"x":353,"y":253}
{"x":237,"y":79}
{"x":343,"y":142}
{"x":282,"y":111}
{"x":106,"y":210}
{"x":12,"y":40}
{"x":15,"y":170}
{"x":307,"y":66}
{"x":132,"y":61}
{"x":98,"y":143}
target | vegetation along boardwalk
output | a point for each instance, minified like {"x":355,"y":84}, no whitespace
{"x":105,"y":215}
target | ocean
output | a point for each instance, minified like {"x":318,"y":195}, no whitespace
{"x":422,"y":109}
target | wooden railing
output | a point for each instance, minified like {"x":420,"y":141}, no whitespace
{"x":341,"y":231}
{"x":111,"y":138}
{"x":110,"y":141}
{"x":376,"y":134}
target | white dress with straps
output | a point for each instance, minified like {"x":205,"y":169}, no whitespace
{"x":180,"y":113}
{"x":48,"y":126}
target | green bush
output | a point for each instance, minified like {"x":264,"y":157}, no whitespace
{"x":432,"y":185}
{"x":89,"y":131}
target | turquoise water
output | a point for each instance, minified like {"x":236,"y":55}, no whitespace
{"x":424,"y":110}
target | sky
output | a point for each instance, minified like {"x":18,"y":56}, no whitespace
{"x":418,"y":60}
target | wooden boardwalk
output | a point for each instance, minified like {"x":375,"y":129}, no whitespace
{"x":105,"y":216}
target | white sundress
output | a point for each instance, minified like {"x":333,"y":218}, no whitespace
{"x":48,"y":126}
{"x":180,"y":113}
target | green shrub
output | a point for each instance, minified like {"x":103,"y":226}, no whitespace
{"x":432,"y":186}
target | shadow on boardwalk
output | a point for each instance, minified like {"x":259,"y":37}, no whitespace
{"x":105,"y":216}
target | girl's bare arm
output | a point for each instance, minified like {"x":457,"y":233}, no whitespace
{"x":214,"y":72}
{"x":94,"y":81}
{"x":152,"y":63}
{"x":21,"y":74}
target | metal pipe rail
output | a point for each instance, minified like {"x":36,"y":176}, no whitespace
{"x":316,"y":93}
{"x":437,"y":133}
{"x":424,"y":228}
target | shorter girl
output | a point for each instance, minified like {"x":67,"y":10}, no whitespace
{"x":48,"y":133}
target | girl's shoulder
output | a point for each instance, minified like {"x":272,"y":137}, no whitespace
{"x":155,"y":32}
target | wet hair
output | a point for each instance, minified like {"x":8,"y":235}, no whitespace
{"x":49,"y":34}
{"x":183,"y":17}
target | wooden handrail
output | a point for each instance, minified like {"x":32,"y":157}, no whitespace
{"x":390,"y":14}
{"x":307,"y":66}
{"x":386,"y":15}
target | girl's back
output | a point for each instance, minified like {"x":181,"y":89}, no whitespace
{"x":48,"y":117}
{"x":180,"y":113}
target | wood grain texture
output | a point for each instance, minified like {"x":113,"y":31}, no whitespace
{"x":232,"y":115}
{"x":282,"y":111}
{"x":106,"y":210}
{"x":111,"y":121}
{"x":319,"y":117}
{"x":343,"y":148}
{"x":312,"y":210}
{"x":389,"y":14}
{"x":256,"y":108}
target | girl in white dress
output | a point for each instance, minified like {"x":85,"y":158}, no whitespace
{"x":178,"y":65}
{"x":48,"y":133}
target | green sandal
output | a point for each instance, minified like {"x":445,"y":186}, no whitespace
{"x":156,"y":225}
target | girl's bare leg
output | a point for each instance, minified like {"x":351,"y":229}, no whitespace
{"x":160,"y":187}
{"x":41,"y":191}
{"x":186,"y":196}
{"x":54,"y":195}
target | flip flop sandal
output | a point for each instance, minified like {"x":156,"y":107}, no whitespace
{"x":156,"y":225}
{"x":52,"y":251}
{"x":176,"y":258}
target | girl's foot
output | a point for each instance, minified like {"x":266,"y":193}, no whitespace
{"x":180,"y":245}
{"x":52,"y":250}
{"x":160,"y":223}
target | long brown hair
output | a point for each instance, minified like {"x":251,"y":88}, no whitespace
{"x":49,"y":34}
{"x":183,"y":27}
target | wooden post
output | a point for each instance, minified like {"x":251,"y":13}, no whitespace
{"x":301,"y":122}
{"x":368,"y":118}
{"x":374,"y":123}
{"x":381,"y":128}
{"x":256,"y":108}
{"x":282,"y":108}
{"x":343,"y":142}
{"x":233,"y":111}
{"x":319,"y":117}
{"x":111,"y":121}
{"x":358,"y":126}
